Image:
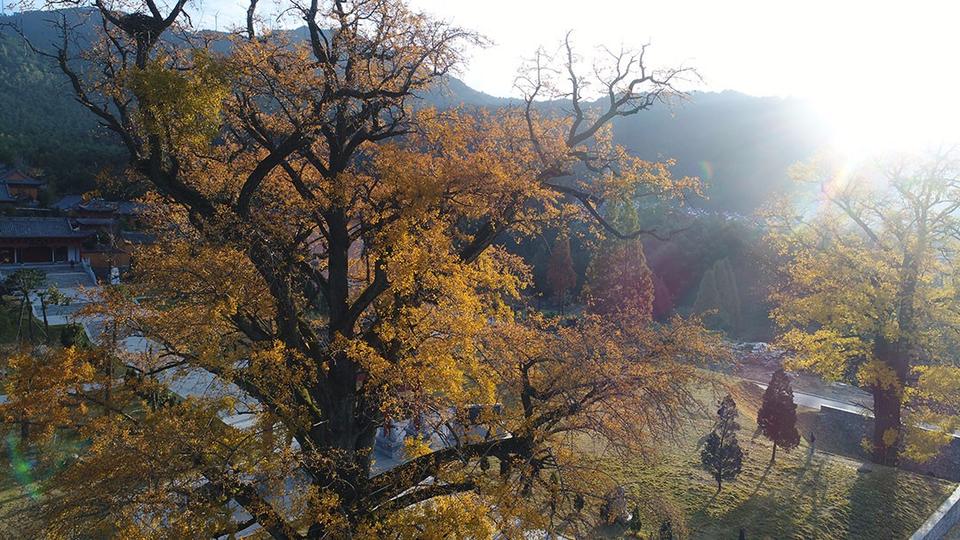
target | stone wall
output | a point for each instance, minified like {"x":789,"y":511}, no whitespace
{"x":837,"y":429}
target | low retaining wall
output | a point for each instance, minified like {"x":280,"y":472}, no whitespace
{"x":940,"y":522}
{"x":847,"y":426}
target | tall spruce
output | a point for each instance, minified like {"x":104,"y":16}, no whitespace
{"x":618,"y":279}
{"x":718,"y":297}
{"x":561,"y":277}
{"x":721,"y":454}
{"x":777,"y":417}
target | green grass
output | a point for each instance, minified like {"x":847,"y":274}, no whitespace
{"x":22,"y":475}
{"x":9,"y":316}
{"x":803,"y":495}
{"x":15,"y":504}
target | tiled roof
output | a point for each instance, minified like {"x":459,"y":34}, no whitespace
{"x":67,"y":202}
{"x":94,"y":222}
{"x":38,"y":227}
{"x":98,"y":205}
{"x":129,"y":208}
{"x":15,"y":176}
{"x":76,"y":202}
{"x":135,"y":237}
{"x":5,"y":195}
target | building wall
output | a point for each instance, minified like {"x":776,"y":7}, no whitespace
{"x":102,"y":259}
{"x":38,"y":253}
{"x":29,"y":192}
{"x":846,"y":426}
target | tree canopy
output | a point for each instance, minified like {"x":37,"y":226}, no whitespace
{"x":721,"y":454}
{"x":327,"y":259}
{"x":867,"y":289}
{"x":777,"y":417}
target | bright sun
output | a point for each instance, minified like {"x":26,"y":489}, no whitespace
{"x":907,"y":117}
{"x":906,"y":111}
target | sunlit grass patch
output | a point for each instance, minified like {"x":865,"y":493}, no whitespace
{"x":802,"y":495}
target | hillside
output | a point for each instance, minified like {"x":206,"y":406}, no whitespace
{"x":740,"y":145}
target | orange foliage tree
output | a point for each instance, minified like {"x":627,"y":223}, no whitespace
{"x":326,"y":265}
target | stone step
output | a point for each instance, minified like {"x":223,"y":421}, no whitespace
{"x":68,"y":279}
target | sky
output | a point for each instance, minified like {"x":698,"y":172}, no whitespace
{"x":883,"y":69}
{"x":760,"y":47}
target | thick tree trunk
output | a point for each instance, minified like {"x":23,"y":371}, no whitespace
{"x":898,"y":356}
{"x":887,"y":427}
{"x":887,"y":404}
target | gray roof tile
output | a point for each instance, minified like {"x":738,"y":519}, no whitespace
{"x":38,"y":227}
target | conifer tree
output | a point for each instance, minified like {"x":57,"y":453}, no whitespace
{"x":561,"y":277}
{"x":721,"y":454}
{"x":718,"y":293}
{"x":662,"y":298}
{"x":777,"y":417}
{"x":666,"y":530}
{"x":618,"y":278}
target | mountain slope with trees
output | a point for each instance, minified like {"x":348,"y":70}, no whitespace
{"x":741,"y":146}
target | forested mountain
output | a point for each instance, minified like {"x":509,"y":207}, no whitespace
{"x":40,"y":123}
{"x":740,"y":145}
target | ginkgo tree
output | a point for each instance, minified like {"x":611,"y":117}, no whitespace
{"x":327,"y":260}
{"x":868,"y":289}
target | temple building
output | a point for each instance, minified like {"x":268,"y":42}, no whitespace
{"x":18,"y":187}
{"x":39,"y":240}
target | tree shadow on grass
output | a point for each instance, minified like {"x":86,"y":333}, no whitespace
{"x":760,"y":516}
{"x":874,"y":512}
{"x":763,"y":478}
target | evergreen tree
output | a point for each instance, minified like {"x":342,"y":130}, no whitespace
{"x":777,"y":417}
{"x":729,"y":295}
{"x":662,"y":298}
{"x":666,"y":530}
{"x":721,"y":454}
{"x":708,"y":297}
{"x":636,"y":525}
{"x":618,"y":278}
{"x":718,"y":293}
{"x":561,"y":277}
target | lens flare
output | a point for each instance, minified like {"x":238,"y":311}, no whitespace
{"x":22,"y":467}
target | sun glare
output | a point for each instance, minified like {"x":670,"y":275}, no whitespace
{"x":867,"y":124}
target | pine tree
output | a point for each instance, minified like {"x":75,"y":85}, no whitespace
{"x":618,"y":278}
{"x":708,"y":297}
{"x":636,"y":525}
{"x":666,"y":530}
{"x":777,"y":417}
{"x":729,"y":295}
{"x":662,"y":298}
{"x":721,"y":454}
{"x":718,"y":292}
{"x":561,"y":277}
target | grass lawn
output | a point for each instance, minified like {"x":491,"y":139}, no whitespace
{"x":15,"y":503}
{"x":21,"y":481}
{"x":9,"y":315}
{"x":803,"y":495}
